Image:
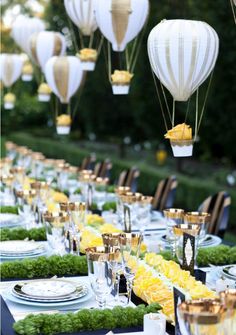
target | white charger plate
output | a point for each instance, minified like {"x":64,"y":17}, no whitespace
{"x":19,"y":247}
{"x":9,"y":296}
{"x":9,"y":220}
{"x":229,"y":271}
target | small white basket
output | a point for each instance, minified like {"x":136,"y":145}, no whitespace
{"x":182,"y":148}
{"x":88,"y":66}
{"x":44,"y":97}
{"x":120,"y":89}
{"x":63,"y":130}
{"x":9,"y":105}
{"x":27,"y":77}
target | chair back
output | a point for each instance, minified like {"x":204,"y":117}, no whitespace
{"x":165,"y":194}
{"x":131,"y":179}
{"x":218,"y":206}
{"x":88,"y":163}
{"x":121,"y":179}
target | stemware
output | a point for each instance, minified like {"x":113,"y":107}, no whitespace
{"x":100,"y":191}
{"x":55,"y":230}
{"x":199,"y":218}
{"x":111,"y":240}
{"x":173,"y":216}
{"x":144,"y":213}
{"x":228,"y":298}
{"x":130,"y":201}
{"x":202,"y":317}
{"x":99,"y":272}
{"x":130,"y":244}
{"x":179,"y":230}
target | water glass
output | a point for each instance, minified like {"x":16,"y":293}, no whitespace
{"x":173,"y":216}
{"x":100,"y":273}
{"x":228,"y":298}
{"x":202,"y":317}
{"x":200,"y":218}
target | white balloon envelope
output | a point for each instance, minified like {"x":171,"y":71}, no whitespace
{"x":23,"y":27}
{"x":120,"y":21}
{"x":64,"y":75}
{"x":81,"y":12}
{"x":182,"y":54}
{"x":44,"y":45}
{"x":10,"y":68}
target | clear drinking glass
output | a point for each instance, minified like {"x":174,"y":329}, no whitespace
{"x":173,"y":216}
{"x":144,"y":213}
{"x":228,"y":298}
{"x":200,"y":218}
{"x":100,"y":273}
{"x":130,"y":249}
{"x":55,"y":231}
{"x":202,"y":317}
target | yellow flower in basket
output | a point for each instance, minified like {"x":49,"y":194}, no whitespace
{"x":88,"y":55}
{"x":180,"y":132}
{"x":10,"y":97}
{"x":59,"y":197}
{"x":121,"y":77}
{"x":109,"y":228}
{"x":64,"y":120}
{"x":44,"y":89}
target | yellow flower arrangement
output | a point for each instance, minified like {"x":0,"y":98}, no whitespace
{"x":10,"y":97}
{"x":44,"y":89}
{"x":88,"y":55}
{"x":180,"y":132}
{"x":121,"y":77}
{"x":64,"y":120}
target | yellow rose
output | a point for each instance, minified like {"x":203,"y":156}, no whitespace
{"x":121,"y":77}
{"x":87,"y":55}
{"x":179,"y":132}
{"x":64,"y":120}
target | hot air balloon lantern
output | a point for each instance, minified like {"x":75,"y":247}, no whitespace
{"x":182,"y":54}
{"x":42,"y":46}
{"x":64,"y":75}
{"x":10,"y":71}
{"x":27,"y":72}
{"x":22,"y":28}
{"x":81,"y":13}
{"x":120,"y":21}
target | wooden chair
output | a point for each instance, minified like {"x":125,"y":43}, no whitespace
{"x":129,"y":178}
{"x":88,"y":163}
{"x":218,"y":206}
{"x":165,"y":194}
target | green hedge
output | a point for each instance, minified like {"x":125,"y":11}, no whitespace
{"x":190,"y":193}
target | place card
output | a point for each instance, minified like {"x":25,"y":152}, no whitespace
{"x":178,"y":298}
{"x":188,"y":253}
{"x":127,"y":219}
{"x":200,"y":275}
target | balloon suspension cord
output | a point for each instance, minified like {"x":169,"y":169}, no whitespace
{"x":99,"y":45}
{"x":79,"y":94}
{"x":91,"y":41}
{"x":233,"y":10}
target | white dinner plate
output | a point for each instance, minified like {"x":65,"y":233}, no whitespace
{"x":49,"y":288}
{"x":8,"y":295}
{"x":9,"y":220}
{"x":19,"y":247}
{"x":229,"y":271}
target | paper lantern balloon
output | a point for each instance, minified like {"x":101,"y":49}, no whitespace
{"x":182,"y":54}
{"x":81,"y":12}
{"x":120,"y":21}
{"x":64,"y":75}
{"x":44,"y":45}
{"x":10,"y":68}
{"x":23,"y":27}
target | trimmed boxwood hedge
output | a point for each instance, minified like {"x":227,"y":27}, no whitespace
{"x":190,"y":193}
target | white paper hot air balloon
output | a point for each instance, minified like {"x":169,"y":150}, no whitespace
{"x":23,"y":27}
{"x":64,"y":75}
{"x":10,"y":71}
{"x":81,"y":12}
{"x":120,"y":21}
{"x":44,"y":45}
{"x":182,"y":54}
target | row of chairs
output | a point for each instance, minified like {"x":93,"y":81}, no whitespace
{"x":217,"y":205}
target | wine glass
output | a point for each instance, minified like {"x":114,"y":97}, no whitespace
{"x":111,"y":240}
{"x":200,"y":218}
{"x":55,"y":231}
{"x":99,"y":272}
{"x":173,"y":216}
{"x":130,"y":248}
{"x":144,"y":213}
{"x":202,"y":317}
{"x":228,"y":298}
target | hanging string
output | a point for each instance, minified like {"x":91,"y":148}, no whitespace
{"x":100,"y":45}
{"x":56,"y":108}
{"x":233,"y":10}
{"x":205,"y":100}
{"x":159,"y":99}
{"x":68,"y":110}
{"x":127,"y":59}
{"x":173,"y":113}
{"x":109,"y":60}
{"x":81,"y":39}
{"x":166,"y":102}
{"x":79,"y":94}
{"x":133,"y":50}
{"x":196,"y":114}
{"x":91,"y":40}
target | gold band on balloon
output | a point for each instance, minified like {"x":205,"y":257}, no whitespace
{"x":120,"y":10}
{"x":8,"y":69}
{"x":61,"y":75}
{"x":57,"y":45}
{"x":33,"y":46}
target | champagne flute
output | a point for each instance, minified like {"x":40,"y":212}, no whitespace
{"x":173,"y":216}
